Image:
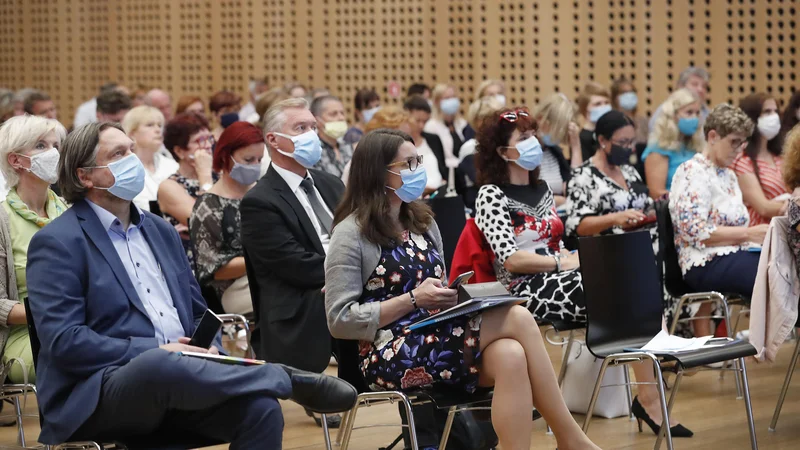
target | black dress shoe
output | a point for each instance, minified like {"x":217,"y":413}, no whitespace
{"x":334,"y":420}
{"x":641,"y":415}
{"x":320,"y":393}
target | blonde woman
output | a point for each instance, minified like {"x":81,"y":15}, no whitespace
{"x":554,"y":116}
{"x":446,"y":122}
{"x":492,"y":88}
{"x":675,"y":139}
{"x":29,"y":154}
{"x":144,"y":125}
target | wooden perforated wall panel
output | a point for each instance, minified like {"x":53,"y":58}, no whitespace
{"x":70,"y":47}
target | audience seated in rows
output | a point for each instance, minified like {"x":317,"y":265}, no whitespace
{"x":696,"y":80}
{"x":446,"y":121}
{"x":555,"y":126}
{"x":367,"y":102}
{"x":190,"y":103}
{"x":128,"y":294}
{"x":224,"y":107}
{"x":38,"y":103}
{"x":255,"y":88}
{"x":162,"y":101}
{"x":625,"y":99}
{"x":593,"y":101}
{"x":429,"y":146}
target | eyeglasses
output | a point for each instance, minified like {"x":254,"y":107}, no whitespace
{"x":738,"y":143}
{"x":513,"y":116}
{"x":412,"y":162}
{"x":202,"y":140}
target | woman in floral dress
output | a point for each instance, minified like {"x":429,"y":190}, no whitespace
{"x":384,"y":271}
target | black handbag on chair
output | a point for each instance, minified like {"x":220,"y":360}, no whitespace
{"x":468,"y":432}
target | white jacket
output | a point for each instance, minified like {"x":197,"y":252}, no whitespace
{"x":773,"y":307}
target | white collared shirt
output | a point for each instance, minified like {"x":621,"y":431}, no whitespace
{"x":293,"y":180}
{"x":164,"y":168}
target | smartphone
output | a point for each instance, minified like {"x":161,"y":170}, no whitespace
{"x":206,"y":330}
{"x":461,"y":279}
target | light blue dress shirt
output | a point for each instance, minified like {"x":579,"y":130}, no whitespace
{"x":145,"y":273}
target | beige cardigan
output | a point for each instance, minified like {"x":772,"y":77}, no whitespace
{"x":773,"y":306}
{"x":8,"y":278}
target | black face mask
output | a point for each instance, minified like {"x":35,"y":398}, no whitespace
{"x":619,"y":156}
{"x":228,"y":119}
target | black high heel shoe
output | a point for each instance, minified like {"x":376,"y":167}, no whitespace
{"x":334,"y":420}
{"x":641,"y":415}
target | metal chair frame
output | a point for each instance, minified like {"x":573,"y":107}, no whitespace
{"x":724,"y":302}
{"x":785,"y":388}
{"x":367,"y":399}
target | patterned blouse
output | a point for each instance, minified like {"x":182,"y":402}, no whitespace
{"x":770,"y":178}
{"x":328,"y":162}
{"x":592,"y":193}
{"x":215,"y":228}
{"x":794,"y":235}
{"x":704,"y":197}
{"x":518,"y":218}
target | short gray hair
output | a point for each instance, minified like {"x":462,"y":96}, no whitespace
{"x":274,"y":118}
{"x":22,"y":133}
{"x":79,"y":150}
{"x":318,"y":104}
{"x":692,"y":71}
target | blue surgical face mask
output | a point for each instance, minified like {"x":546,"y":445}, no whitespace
{"x":548,"y":140}
{"x":530,"y":154}
{"x":628,"y":101}
{"x":128,"y":177}
{"x":245,"y":174}
{"x":413,"y":184}
{"x":369,"y":113}
{"x":688,"y":126}
{"x":450,"y":106}
{"x":597,"y":112}
{"x":307,"y":149}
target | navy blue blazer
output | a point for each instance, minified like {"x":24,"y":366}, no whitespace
{"x":87,"y":313}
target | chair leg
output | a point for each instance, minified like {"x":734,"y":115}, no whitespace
{"x":672,"y":396}
{"x":412,"y":429}
{"x":20,"y":430}
{"x":597,"y":385}
{"x":342,"y":426}
{"x":562,"y":372}
{"x":785,"y":387}
{"x":750,"y":423}
{"x":325,"y":432}
{"x":628,"y":393}
{"x":663,"y":399}
{"x":347,"y":429}
{"x":736,"y":367}
{"x":448,"y":425}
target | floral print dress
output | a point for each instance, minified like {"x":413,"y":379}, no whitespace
{"x":447,"y":352}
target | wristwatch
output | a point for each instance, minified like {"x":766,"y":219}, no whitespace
{"x":557,"y":257}
{"x":206,"y":187}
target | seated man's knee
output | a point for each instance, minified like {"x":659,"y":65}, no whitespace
{"x":266,"y":412}
{"x":159,"y":365}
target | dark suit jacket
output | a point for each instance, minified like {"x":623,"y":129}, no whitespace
{"x":285,"y":268}
{"x":438,"y":149}
{"x":87,"y":313}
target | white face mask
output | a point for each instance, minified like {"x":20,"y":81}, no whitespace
{"x":769,"y":126}
{"x":45,"y":165}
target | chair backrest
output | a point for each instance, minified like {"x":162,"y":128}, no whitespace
{"x":622,"y":289}
{"x":668,"y":254}
{"x":32,"y":335}
{"x":472,"y":252}
{"x":451,"y":218}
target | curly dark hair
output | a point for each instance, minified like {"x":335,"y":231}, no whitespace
{"x":494,"y":132}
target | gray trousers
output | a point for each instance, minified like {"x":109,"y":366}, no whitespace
{"x":161,"y":397}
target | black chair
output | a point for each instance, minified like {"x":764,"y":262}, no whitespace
{"x":452,"y":399}
{"x":622,"y":285}
{"x":164,"y":439}
{"x":677,"y":287}
{"x":451,"y":218}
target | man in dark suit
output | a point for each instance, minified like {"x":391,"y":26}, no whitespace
{"x":286,"y":224}
{"x":114,"y":300}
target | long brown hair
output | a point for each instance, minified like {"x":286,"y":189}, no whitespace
{"x":494,"y":132}
{"x":752,"y":106}
{"x":366,"y":192}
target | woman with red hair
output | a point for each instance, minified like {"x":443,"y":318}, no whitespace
{"x":215,"y":223}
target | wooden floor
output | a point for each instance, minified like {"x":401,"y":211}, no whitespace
{"x":705,"y":404}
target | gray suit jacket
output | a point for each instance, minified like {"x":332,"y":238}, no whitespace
{"x":351,"y":260}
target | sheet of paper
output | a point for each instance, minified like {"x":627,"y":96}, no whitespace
{"x":663,"y":342}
